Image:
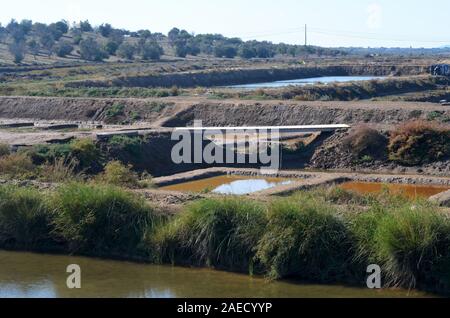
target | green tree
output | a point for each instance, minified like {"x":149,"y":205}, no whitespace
{"x":90,"y":50}
{"x":63,"y":48}
{"x":16,"y":31}
{"x":111,"y":47}
{"x":17,"y":49}
{"x":247,"y":51}
{"x":33,"y":47}
{"x":3,"y":33}
{"x":105,"y":30}
{"x":85,"y":26}
{"x":58,"y":29}
{"x":151,"y":51}
{"x":173,"y":35}
{"x":126,"y":50}
{"x":226,"y":51}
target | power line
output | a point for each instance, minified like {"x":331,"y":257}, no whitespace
{"x":364,"y":37}
{"x":344,"y":34}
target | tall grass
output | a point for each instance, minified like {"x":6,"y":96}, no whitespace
{"x":101,"y":220}
{"x":410,"y":241}
{"x":25,"y":220}
{"x":17,"y":166}
{"x":305,"y":239}
{"x":305,"y":236}
{"x":221,"y":233}
{"x":62,"y":170}
{"x":4,"y":150}
{"x":118,"y":174}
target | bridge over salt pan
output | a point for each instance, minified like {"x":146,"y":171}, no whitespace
{"x":281,"y":129}
{"x":230,"y":130}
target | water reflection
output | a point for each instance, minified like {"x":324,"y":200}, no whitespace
{"x":229,"y":185}
{"x":242,"y":187}
{"x":36,"y":276}
{"x":307,"y":81}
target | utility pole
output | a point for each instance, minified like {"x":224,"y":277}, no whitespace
{"x":306,"y":35}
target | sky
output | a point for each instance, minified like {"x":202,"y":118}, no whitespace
{"x":332,"y":23}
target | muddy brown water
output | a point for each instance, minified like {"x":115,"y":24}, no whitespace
{"x":230,"y":185}
{"x":411,"y":191}
{"x":28,"y":275}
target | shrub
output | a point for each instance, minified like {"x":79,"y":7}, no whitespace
{"x":4,"y":150}
{"x":130,"y":145}
{"x":17,"y":166}
{"x":220,"y":233}
{"x":365,"y":142}
{"x":419,"y":142}
{"x":25,"y":221}
{"x":61,"y":170}
{"x":411,"y":243}
{"x":41,"y":154}
{"x":115,"y":111}
{"x":85,"y":151}
{"x":101,"y":220}
{"x":304,"y":239}
{"x":120,"y":175}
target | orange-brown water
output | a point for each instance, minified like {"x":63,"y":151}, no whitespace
{"x":228,"y":185}
{"x":411,"y":191}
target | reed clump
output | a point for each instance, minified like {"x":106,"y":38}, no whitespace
{"x":321,"y":236}
{"x":101,"y":220}
{"x":221,"y":233}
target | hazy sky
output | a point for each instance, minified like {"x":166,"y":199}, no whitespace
{"x":365,"y":23}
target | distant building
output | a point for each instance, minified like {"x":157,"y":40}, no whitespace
{"x":440,"y":70}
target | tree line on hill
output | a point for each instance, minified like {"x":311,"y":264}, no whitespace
{"x":82,"y":40}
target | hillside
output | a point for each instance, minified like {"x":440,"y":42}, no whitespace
{"x":31,"y":43}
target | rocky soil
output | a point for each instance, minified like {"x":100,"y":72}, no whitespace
{"x":332,"y":155}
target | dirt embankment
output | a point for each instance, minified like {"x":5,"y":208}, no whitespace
{"x":305,"y":113}
{"x":182,"y":111}
{"x":333,"y":154}
{"x":246,"y":76}
{"x":88,"y":109}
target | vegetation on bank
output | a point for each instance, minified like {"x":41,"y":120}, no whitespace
{"x":308,"y":236}
{"x":80,"y":159}
{"x":419,"y":142}
{"x":386,"y":89}
{"x":412,"y":143}
{"x":123,"y":160}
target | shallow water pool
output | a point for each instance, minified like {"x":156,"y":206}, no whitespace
{"x":307,"y":81}
{"x":229,"y":185}
{"x":408,"y":190}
